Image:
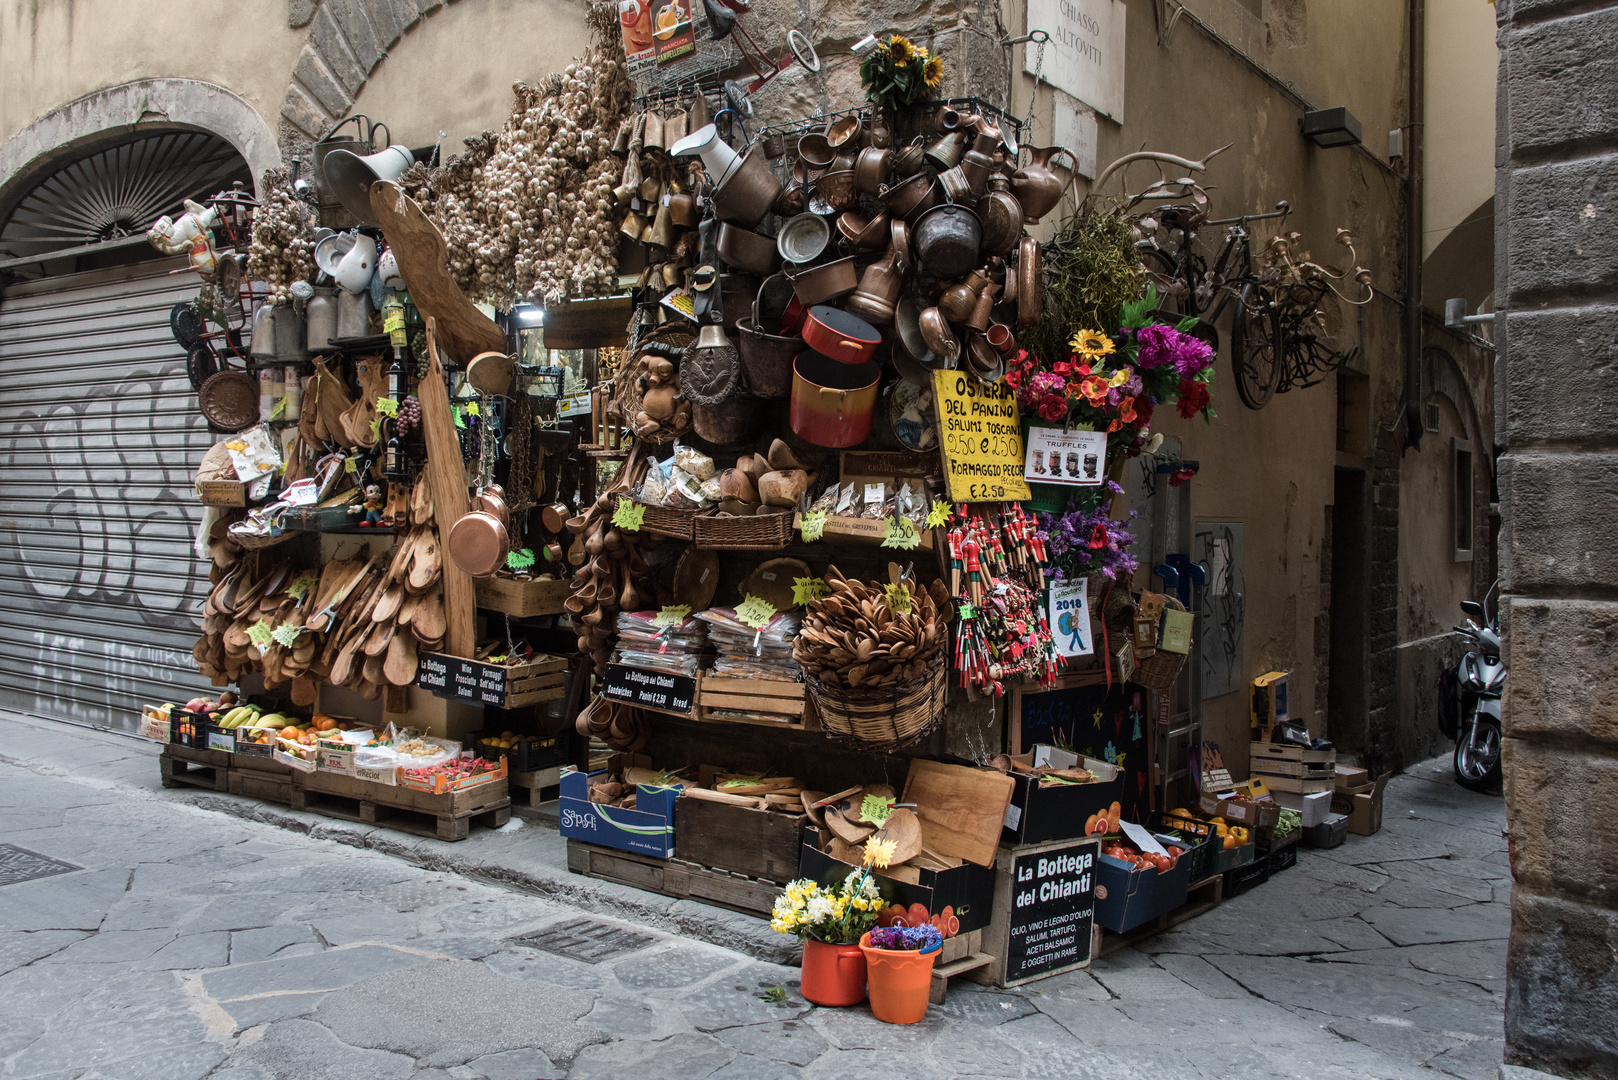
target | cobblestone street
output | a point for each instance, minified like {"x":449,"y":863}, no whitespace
{"x":179,"y":942}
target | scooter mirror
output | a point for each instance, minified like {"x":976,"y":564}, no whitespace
{"x":1474,"y":610}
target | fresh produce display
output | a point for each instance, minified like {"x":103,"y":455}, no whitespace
{"x":455,"y":772}
{"x":945,"y":922}
{"x":1230,"y":836}
{"x":1127,"y":852}
{"x":1103,"y":822}
{"x":1290,"y":822}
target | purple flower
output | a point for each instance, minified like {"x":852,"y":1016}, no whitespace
{"x":922,"y":938}
{"x":1134,"y":386}
{"x":1156,"y":346}
{"x":1191,"y":355}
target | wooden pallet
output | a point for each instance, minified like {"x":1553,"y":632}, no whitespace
{"x":1201,"y":898}
{"x":674,"y":878}
{"x":534,"y":788}
{"x":444,"y":817}
{"x":181,"y":766}
{"x":944,"y":972}
{"x":255,"y":784}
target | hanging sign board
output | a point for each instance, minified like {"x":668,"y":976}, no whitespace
{"x":980,"y":435}
{"x":673,"y":33}
{"x":1085,"y":56}
{"x":658,"y":691}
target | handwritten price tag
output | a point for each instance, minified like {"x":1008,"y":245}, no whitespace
{"x":672,"y":614}
{"x":814,"y":524}
{"x":808,"y":589}
{"x":756,"y":612}
{"x":287,"y":634}
{"x":629,"y":515}
{"x":387,"y":407}
{"x":939,"y":515}
{"x":900,"y":532}
{"x":301,"y":586}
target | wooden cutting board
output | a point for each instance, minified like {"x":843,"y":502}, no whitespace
{"x":962,"y":810}
{"x":415,"y":241}
{"x":448,"y":479}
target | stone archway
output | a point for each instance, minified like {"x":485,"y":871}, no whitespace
{"x":62,"y":132}
{"x":347,"y":40}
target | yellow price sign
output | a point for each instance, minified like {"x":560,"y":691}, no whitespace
{"x":980,"y":434}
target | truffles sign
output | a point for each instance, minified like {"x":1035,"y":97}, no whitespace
{"x":981,"y":436}
{"x":1052,"y":911}
{"x":1085,"y":56}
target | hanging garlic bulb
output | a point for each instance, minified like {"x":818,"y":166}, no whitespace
{"x":282,"y":249}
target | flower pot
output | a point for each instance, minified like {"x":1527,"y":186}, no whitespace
{"x":833,"y":974}
{"x":899,"y":982}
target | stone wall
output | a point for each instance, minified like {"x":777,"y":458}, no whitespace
{"x":1557,"y":278}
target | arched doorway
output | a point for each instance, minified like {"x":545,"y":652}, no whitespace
{"x":100,"y":591}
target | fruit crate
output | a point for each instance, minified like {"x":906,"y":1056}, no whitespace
{"x":531,"y":754}
{"x":1245,"y":878}
{"x":441,"y":784}
{"x":188,"y":728}
{"x":1200,"y":838}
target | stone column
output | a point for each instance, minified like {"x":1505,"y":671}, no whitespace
{"x":1557,"y":281}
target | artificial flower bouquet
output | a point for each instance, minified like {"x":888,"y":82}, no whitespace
{"x":899,"y":73}
{"x":923,"y":939}
{"x":835,"y":914}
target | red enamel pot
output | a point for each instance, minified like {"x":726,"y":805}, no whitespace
{"x":832,"y":401}
{"x":843,"y":336}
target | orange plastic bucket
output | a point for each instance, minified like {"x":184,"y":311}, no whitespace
{"x":900,"y":981}
{"x":833,"y":974}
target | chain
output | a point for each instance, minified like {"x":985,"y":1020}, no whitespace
{"x":485,"y":441}
{"x":1033,"y":95}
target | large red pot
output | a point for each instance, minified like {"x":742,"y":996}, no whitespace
{"x":833,"y":974}
{"x":832,"y":402}
{"x":840,"y":335}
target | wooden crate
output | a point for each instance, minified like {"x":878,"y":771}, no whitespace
{"x":1268,"y":752}
{"x":522,"y":598}
{"x":1299,"y":785}
{"x":505,"y":686}
{"x":182,"y":766}
{"x":673,"y":877}
{"x":788,"y":702}
{"x":261,"y":785}
{"x":445,"y":817}
{"x":969,"y":964}
{"x":761,"y":844}
{"x":534,"y":788}
{"x":1202,"y":897}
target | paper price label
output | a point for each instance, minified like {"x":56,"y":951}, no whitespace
{"x":755,"y":612}
{"x":900,"y":532}
{"x":301,"y":585}
{"x":387,"y":407}
{"x":806,"y":590}
{"x":629,"y":515}
{"x":287,"y":634}
{"x":813,"y":526}
{"x":938,"y":516}
{"x":672,"y":614}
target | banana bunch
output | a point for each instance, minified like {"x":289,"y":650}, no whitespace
{"x":252,"y":716}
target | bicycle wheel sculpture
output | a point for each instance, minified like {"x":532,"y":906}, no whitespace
{"x":1257,"y":348}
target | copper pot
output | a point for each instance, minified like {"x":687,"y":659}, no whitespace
{"x":907,"y":324}
{"x":957,"y":302}
{"x":747,"y":250}
{"x":747,"y":194}
{"x":980,"y":317}
{"x":983,"y":361}
{"x":955,"y":185}
{"x":835,"y":191}
{"x":864,"y":235}
{"x":910,"y":160}
{"x":1037,"y":186}
{"x":976,"y":167}
{"x":879,"y":291}
{"x":1001,"y":215}
{"x":846,"y":132}
{"x":766,"y":359}
{"x":871,"y":168}
{"x":910,"y":197}
{"x":815,"y":151}
{"x":946,"y":152}
{"x":832,"y":402}
{"x":1001,"y":339}
{"x":947,"y":240}
{"x":937,"y":335}
{"x":947,"y":119}
{"x":824,"y":283}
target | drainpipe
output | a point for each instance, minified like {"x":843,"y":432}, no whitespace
{"x":1414,"y":224}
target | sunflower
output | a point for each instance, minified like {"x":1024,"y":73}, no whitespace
{"x":933,"y":73}
{"x":1092,"y":344}
{"x":899,"y":48}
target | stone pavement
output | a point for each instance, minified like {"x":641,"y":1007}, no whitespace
{"x":180,"y":942}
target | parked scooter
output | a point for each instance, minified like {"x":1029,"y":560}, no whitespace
{"x":1469,"y":708}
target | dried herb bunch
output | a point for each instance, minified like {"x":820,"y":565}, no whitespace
{"x":1091,"y":271}
{"x":283,"y":245}
{"x":527,"y":211}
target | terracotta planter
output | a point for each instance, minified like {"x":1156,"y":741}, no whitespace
{"x":833,"y":974}
{"x":899,"y":981}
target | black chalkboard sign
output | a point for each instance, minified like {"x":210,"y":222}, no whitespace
{"x":1095,"y":720}
{"x":1051,"y":911}
{"x":655,"y":690}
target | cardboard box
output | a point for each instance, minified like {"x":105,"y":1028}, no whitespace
{"x":967,"y":890}
{"x":1350,"y":777}
{"x":1255,"y":815}
{"x":1312,"y":807}
{"x":1037,"y":814}
{"x":648,"y":829}
{"x":1362,"y":805}
{"x":1127,"y":895}
{"x":154,"y":724}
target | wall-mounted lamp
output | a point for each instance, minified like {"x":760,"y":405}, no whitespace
{"x":529,"y":314}
{"x":1327,"y":128}
{"x":1456,"y":318}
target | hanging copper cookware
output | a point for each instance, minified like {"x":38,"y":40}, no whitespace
{"x":909,"y":198}
{"x":766,"y":358}
{"x":871,"y":168}
{"x":910,"y":160}
{"x":824,"y":283}
{"x":746,"y":250}
{"x":866,"y":235}
{"x":846,"y":132}
{"x":879,"y":291}
{"x":1030,"y":293}
{"x":946,"y":152}
{"x":834,"y":192}
{"x":947,"y":239}
{"x":478,"y":541}
{"x":1001,"y":215}
{"x":746,"y":195}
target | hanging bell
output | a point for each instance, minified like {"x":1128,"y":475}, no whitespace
{"x":663,"y":234}
{"x":633,"y":225}
{"x":699,"y":115}
{"x":620,"y":145}
{"x":653,"y":138}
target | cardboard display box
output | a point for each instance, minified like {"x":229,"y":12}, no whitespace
{"x":647,"y":829}
{"x":1037,"y":814}
{"x":1312,"y":807}
{"x":1255,"y":815}
{"x":1127,"y":895}
{"x":1350,"y":777}
{"x":223,"y":492}
{"x":1362,"y":805}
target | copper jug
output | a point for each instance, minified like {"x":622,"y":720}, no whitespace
{"x":1037,"y":186}
{"x":1002,"y":216}
{"x":879,"y":290}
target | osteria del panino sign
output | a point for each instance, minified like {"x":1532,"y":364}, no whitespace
{"x":1085,"y":56}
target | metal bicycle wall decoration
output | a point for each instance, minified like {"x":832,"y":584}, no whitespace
{"x":1286,"y":322}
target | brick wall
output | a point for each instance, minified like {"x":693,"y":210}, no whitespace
{"x":1557,"y":279}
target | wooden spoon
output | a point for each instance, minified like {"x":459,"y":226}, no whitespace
{"x":400,"y":666}
{"x":426,"y":565}
{"x":428,"y":623}
{"x":850,"y":832}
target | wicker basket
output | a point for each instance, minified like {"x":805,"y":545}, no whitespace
{"x":885,"y":719}
{"x":752,"y":532}
{"x":1159,"y":670}
{"x":663,"y":520}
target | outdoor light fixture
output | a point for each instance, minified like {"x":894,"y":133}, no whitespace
{"x":1327,"y":128}
{"x":865,"y":46}
{"x":1456,"y":318}
{"x":529,"y":313}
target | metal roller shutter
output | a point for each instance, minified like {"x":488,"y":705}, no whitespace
{"x":100,"y":591}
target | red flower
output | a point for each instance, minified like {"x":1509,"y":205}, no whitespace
{"x":1062,"y":368}
{"x":1098,"y":538}
{"x":1014,"y":378}
{"x":1181,"y":477}
{"x":1094,"y":388}
{"x":1082,"y":369}
{"x":1126,"y":410}
{"x":1194,"y":397}
{"x":1143,"y":409}
{"x":1053,"y":409}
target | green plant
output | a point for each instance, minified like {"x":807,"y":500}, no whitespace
{"x":1091,"y":271}
{"x":835,"y":914}
{"x":775,"y":995}
{"x":899,"y":72}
